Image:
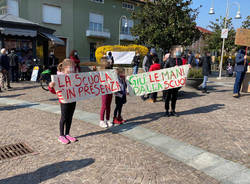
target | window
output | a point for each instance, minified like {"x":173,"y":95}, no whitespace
{"x":96,"y":22}
{"x":128,"y":6}
{"x":52,"y":14}
{"x":98,"y":1}
{"x":92,"y":47}
{"x":126,"y":30}
{"x":13,"y":7}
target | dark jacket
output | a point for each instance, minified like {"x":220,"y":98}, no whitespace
{"x":136,"y":61}
{"x":121,"y":96}
{"x":147,"y":62}
{"x":171,"y":62}
{"x":13,"y":59}
{"x":240,"y":67}
{"x":4,"y":62}
{"x":206,"y":65}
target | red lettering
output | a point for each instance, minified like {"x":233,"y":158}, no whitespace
{"x":156,"y":77}
{"x":72,"y":93}
{"x":59,"y":83}
{"x":173,"y":75}
{"x":102,"y":89}
{"x":107,"y":77}
{"x":96,"y":79}
{"x":67,"y":81}
{"x":171,"y":84}
{"x":108,"y":88}
{"x":80,"y":90}
{"x":78,"y":78}
{"x":101,"y":78}
{"x":96,"y":87}
{"x":92,"y":90}
{"x":86,"y":90}
{"x":151,"y":79}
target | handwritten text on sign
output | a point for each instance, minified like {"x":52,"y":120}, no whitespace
{"x":80,"y":86}
{"x":159,"y":80}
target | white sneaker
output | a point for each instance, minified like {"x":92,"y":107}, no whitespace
{"x":103,"y":124}
{"x":109,"y":123}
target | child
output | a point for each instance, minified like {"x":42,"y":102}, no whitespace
{"x":67,"y":109}
{"x":106,"y":101}
{"x":120,"y":97}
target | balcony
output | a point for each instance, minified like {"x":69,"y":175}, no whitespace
{"x":125,"y":36}
{"x":98,"y":33}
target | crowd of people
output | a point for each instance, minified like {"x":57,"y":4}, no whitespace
{"x":9,"y":71}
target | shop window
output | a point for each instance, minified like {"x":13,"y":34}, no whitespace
{"x":96,"y":22}
{"x":92,"y":51}
{"x":52,"y":14}
{"x":127,"y":29}
{"x":13,"y":7}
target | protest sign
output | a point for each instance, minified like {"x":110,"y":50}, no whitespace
{"x":124,"y":57}
{"x":80,"y":86}
{"x":159,"y":80}
{"x":242,"y":37}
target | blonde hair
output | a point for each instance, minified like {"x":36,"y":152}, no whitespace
{"x":65,"y":63}
{"x":104,"y":62}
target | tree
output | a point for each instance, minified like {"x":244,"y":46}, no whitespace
{"x":246,"y":23}
{"x":214,"y":40}
{"x":166,"y":23}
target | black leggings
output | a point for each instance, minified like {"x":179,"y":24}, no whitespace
{"x":67,"y":112}
{"x":118,"y":107}
{"x":172,"y":95}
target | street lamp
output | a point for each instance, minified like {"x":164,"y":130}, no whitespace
{"x":211,"y":11}
{"x":126,"y":25}
{"x":238,"y":16}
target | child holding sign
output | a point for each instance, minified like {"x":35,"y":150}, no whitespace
{"x":106,"y":101}
{"x":120,"y":97}
{"x":67,"y":109}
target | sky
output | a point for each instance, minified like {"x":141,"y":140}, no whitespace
{"x":220,"y":10}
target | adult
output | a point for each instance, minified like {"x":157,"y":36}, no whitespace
{"x":206,"y":70}
{"x":74,"y":57}
{"x":110,"y":60}
{"x":53,"y":62}
{"x":191,"y":58}
{"x":172,"y":94}
{"x":4,"y":69}
{"x":136,"y":63}
{"x":155,"y":66}
{"x":14,"y":62}
{"x":147,"y":62}
{"x":240,"y":69}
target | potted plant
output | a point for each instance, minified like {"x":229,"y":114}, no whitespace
{"x":195,"y":78}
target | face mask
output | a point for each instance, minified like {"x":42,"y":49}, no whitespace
{"x":178,"y":54}
{"x":76,"y":53}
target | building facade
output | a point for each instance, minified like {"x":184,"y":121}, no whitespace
{"x":84,"y":25}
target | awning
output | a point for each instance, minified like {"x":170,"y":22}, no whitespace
{"x":18,"y":32}
{"x":54,"y":39}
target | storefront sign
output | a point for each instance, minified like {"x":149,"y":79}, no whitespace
{"x":80,"y":86}
{"x":159,"y":80}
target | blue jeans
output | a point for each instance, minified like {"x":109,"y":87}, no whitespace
{"x":135,"y":70}
{"x":204,"y":84}
{"x":238,"y":81}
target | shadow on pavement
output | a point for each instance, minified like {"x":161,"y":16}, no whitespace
{"x":48,"y":172}
{"x":15,"y":107}
{"x":23,"y":88}
{"x":12,"y":96}
{"x":137,"y":121}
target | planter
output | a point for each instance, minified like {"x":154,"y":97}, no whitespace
{"x":194,"y":83}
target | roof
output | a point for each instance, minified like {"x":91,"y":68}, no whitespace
{"x":12,"y":18}
{"x":203,"y":30}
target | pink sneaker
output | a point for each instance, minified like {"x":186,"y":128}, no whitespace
{"x":71,"y":139}
{"x":63,"y":140}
